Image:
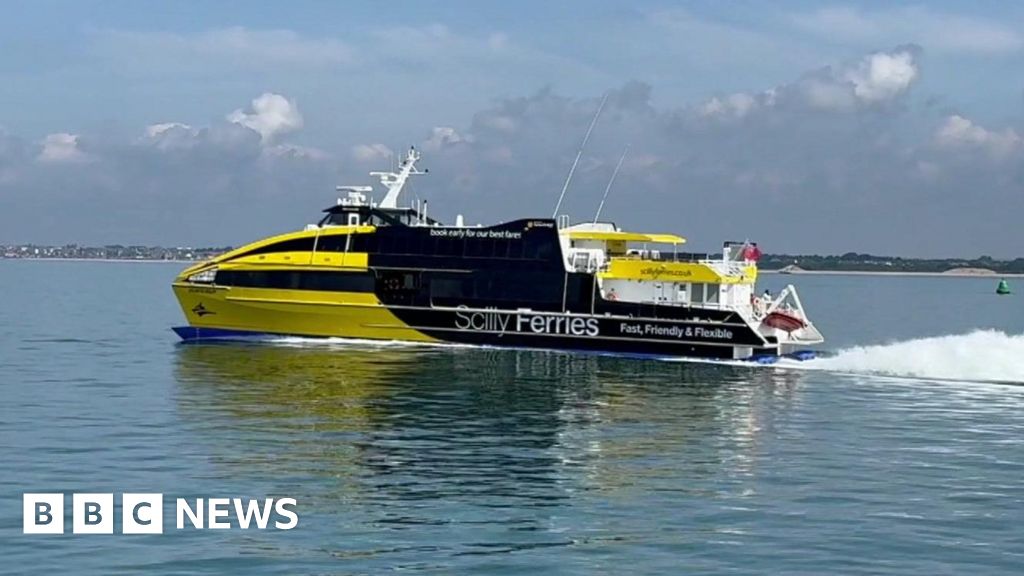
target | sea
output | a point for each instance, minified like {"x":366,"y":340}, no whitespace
{"x":901,"y":451}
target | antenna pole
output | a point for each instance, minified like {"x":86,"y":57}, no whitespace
{"x":610,"y":182}
{"x":578,"y":154}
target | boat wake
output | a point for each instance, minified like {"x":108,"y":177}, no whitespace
{"x":356,"y":343}
{"x":979,"y":356}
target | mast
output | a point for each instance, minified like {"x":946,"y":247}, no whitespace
{"x":578,"y":154}
{"x":395,"y":181}
{"x":610,"y":182}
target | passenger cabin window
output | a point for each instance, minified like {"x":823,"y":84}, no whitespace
{"x":702,"y":293}
{"x":711,"y":293}
{"x":353,"y":219}
{"x":297,"y":280}
{"x":696,"y":294}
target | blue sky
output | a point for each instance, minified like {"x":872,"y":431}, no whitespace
{"x":891,"y":113}
{"x":54,"y":51}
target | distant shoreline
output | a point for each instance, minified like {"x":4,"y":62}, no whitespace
{"x":993,"y":276}
{"x":950,"y":274}
{"x":111,"y":260}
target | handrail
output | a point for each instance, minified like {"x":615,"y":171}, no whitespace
{"x":723,"y":267}
{"x":665,"y":256}
{"x":727,"y":267}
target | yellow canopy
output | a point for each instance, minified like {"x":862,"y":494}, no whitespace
{"x":619,"y":236}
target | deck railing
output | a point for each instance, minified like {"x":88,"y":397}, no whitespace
{"x":585,"y":261}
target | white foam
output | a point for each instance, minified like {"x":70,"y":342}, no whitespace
{"x":361,"y":343}
{"x":979,"y":356}
{"x":982,"y":355}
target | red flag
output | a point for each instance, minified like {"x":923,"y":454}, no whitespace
{"x":751,"y":252}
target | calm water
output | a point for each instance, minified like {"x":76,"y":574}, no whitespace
{"x":499,"y":462}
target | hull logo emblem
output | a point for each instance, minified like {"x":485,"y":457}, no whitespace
{"x":200,"y":310}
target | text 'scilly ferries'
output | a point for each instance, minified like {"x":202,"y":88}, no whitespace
{"x":379,"y":271}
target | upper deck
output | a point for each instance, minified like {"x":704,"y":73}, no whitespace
{"x":603,"y":249}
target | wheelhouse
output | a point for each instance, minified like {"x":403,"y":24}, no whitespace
{"x":367,"y":215}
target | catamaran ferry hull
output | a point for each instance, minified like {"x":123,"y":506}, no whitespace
{"x":380,"y":272}
{"x":239,"y":313}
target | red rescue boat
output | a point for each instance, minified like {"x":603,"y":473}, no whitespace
{"x":783,"y":320}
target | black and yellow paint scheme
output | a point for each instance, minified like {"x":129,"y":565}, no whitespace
{"x":367,"y":273}
{"x":278,"y":293}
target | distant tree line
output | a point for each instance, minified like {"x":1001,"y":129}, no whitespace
{"x":854,"y":262}
{"x":109,"y":252}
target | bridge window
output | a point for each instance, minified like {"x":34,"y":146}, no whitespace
{"x":295,"y":245}
{"x":333,"y":243}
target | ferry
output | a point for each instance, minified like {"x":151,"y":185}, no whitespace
{"x":378,"y":271}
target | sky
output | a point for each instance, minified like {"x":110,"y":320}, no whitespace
{"x":808,"y":127}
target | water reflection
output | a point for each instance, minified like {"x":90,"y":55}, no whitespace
{"x":501,"y":428}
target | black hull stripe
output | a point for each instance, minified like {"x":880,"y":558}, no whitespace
{"x":499,"y":334}
{"x":670,"y":321}
{"x":574,"y":315}
{"x":575,"y":330}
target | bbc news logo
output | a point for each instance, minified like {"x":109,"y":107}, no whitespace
{"x":144,"y":513}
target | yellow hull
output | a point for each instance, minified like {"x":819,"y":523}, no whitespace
{"x":299,"y":312}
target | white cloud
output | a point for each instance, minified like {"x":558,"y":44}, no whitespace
{"x":62,"y":147}
{"x":883,"y":76}
{"x":959,"y":132}
{"x":938,"y":31}
{"x":271,"y":115}
{"x":816,"y":176}
{"x":250,"y":132}
{"x":875,"y":79}
{"x":155,"y":130}
{"x":371,"y":152}
{"x":735,"y":105}
{"x":827,"y":163}
{"x":825,"y":94}
{"x":442,"y":136}
{"x":171,"y":135}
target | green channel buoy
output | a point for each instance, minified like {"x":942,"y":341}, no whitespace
{"x":1003,"y":287}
